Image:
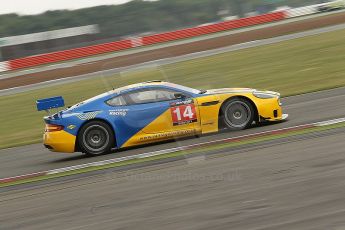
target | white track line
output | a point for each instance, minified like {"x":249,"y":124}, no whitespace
{"x":166,"y":151}
{"x":330,"y":122}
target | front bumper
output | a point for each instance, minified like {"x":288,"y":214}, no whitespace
{"x":60,"y":141}
{"x":271,"y":110}
{"x":283,"y":117}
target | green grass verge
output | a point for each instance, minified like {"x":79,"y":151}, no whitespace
{"x":186,"y":153}
{"x":292,"y":67}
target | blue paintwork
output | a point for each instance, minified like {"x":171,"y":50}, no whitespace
{"x":125,"y":126}
{"x":50,"y":103}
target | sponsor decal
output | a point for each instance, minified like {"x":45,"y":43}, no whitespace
{"x":71,"y":127}
{"x":168,"y":135}
{"x":183,"y":112}
{"x":185,"y":102}
{"x":118,"y":112}
{"x":88,"y":116}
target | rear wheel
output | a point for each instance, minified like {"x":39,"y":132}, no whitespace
{"x":96,"y":138}
{"x":238,"y":114}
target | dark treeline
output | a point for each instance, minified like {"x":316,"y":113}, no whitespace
{"x":139,"y":16}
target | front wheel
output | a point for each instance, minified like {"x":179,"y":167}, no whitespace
{"x":96,"y":138}
{"x":238,"y":114}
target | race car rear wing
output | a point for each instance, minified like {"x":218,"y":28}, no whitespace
{"x":50,"y":103}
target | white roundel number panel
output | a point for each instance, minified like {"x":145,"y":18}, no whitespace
{"x":183,"y":114}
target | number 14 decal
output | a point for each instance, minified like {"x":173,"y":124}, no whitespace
{"x":183,"y":114}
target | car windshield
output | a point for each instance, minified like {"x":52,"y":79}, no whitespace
{"x":185,"y":88}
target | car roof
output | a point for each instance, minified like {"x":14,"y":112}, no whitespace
{"x":142,"y":85}
{"x":151,"y":84}
{"x":126,"y":88}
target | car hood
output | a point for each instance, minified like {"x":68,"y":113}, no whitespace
{"x":240,"y":90}
{"x":230,"y":90}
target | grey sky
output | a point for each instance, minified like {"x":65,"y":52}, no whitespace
{"x":39,"y":6}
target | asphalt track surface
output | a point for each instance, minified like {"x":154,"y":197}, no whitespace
{"x":287,"y":185}
{"x":303,"y":109}
{"x":292,"y":185}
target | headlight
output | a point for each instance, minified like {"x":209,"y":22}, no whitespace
{"x":264,"y":95}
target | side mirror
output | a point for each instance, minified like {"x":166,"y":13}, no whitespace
{"x":179,"y":96}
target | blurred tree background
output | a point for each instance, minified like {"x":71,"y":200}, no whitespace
{"x":140,"y":16}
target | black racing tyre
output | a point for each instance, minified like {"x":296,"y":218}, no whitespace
{"x":237,"y":114}
{"x":96,"y":138}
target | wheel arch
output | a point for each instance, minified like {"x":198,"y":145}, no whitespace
{"x":78,"y":148}
{"x":220,"y":113}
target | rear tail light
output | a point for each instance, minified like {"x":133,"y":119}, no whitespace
{"x":53,"y":128}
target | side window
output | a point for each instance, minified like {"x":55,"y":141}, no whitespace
{"x":116,"y":101}
{"x":165,"y":95}
{"x":141,"y":97}
{"x":150,"y":96}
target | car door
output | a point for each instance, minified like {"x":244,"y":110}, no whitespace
{"x":154,"y":114}
{"x":162,"y":110}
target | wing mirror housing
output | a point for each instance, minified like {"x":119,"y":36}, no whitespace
{"x":179,"y":96}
